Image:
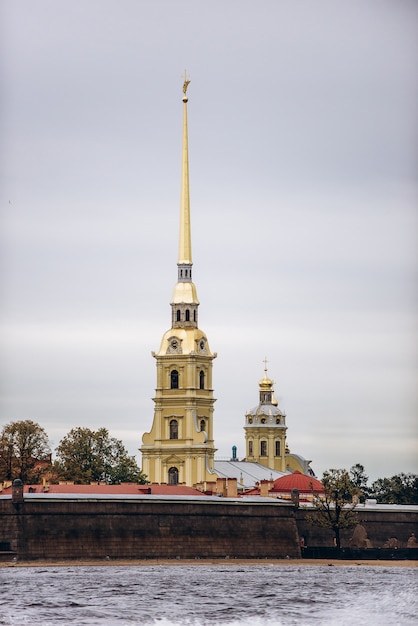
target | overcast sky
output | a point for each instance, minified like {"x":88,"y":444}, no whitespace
{"x":303,"y":140}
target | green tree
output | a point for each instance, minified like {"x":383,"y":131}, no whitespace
{"x":23,"y":445}
{"x":85,"y":456}
{"x":400,"y":489}
{"x":359,"y":479}
{"x":335,"y":509}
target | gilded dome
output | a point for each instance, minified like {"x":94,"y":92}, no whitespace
{"x":185,"y":341}
{"x":184,"y":292}
{"x":265,"y":383}
{"x":268,"y":406}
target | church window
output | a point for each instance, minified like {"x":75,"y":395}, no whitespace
{"x":187,"y":315}
{"x":194,"y":315}
{"x":250,"y":448}
{"x":202,"y":425}
{"x":263,"y":420}
{"x":263,"y":448}
{"x":201,"y":379}
{"x":277,"y":448}
{"x":250,"y":420}
{"x":178,"y":315}
{"x":181,"y":273}
{"x":174,"y":379}
{"x":277,"y":420}
{"x":173,"y":476}
{"x":174,"y":429}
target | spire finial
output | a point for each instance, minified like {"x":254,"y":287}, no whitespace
{"x":265,"y":364}
{"x":185,"y":85}
{"x":186,"y":82}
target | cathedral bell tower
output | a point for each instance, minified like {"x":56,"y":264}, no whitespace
{"x":179,"y":449}
{"x":265,"y":429}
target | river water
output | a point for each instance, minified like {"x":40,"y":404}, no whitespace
{"x":251,"y":595}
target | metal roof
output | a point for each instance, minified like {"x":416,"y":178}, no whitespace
{"x":246,"y":472}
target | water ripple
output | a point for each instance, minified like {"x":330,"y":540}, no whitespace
{"x":208,"y":595}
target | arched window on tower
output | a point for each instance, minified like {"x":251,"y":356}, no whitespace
{"x":263,"y":448}
{"x":277,"y":448}
{"x":174,"y":379}
{"x":202,"y":425}
{"x":201,"y":379}
{"x":187,"y":315}
{"x":194,"y":315}
{"x":250,"y":448}
{"x":178,"y":315}
{"x":174,"y":429}
{"x":173,"y":476}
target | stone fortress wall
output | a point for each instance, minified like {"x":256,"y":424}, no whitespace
{"x":146,"y":527}
{"x":387,"y":527}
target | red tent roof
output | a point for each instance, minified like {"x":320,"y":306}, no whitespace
{"x":301,"y":482}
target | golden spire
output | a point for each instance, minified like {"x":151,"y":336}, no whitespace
{"x":185,"y":241}
{"x":185,"y":291}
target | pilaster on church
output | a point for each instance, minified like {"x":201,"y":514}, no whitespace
{"x":179,"y":449}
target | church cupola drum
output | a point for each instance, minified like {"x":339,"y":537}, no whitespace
{"x":179,"y":449}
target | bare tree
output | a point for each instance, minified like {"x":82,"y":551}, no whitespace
{"x":335,"y":509}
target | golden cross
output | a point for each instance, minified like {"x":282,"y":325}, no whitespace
{"x":265,"y":363}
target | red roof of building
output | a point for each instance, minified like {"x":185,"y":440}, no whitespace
{"x":301,"y":482}
{"x":124,"y":488}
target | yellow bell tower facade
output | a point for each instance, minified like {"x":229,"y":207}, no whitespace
{"x":179,"y":449}
{"x":265,"y":429}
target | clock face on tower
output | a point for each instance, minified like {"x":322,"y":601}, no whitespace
{"x":202,"y":346}
{"x":174,"y":346}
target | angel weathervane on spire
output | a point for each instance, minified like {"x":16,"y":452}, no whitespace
{"x":186,"y":83}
